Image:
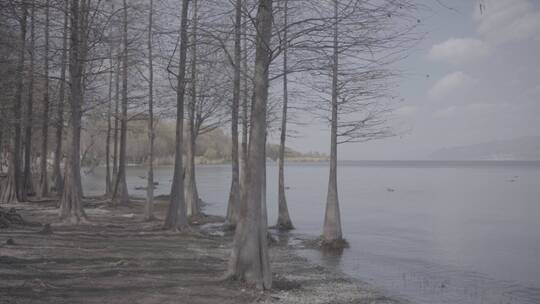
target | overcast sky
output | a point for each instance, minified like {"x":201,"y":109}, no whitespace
{"x":474,"y":78}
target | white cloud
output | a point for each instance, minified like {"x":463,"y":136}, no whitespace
{"x":459,"y":50}
{"x":508,"y":21}
{"x":453,"y":82}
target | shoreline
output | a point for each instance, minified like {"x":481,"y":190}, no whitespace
{"x":119,"y":258}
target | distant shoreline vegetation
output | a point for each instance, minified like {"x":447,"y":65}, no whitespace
{"x":213,"y":147}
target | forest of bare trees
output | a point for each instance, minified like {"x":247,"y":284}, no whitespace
{"x":71,"y":68}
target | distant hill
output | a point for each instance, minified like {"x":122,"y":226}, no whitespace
{"x":523,"y":148}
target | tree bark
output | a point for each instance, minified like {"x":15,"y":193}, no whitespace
{"x":149,"y":210}
{"x":2,"y":126}
{"x":245,"y":111}
{"x":176,"y":214}
{"x":28,"y":182}
{"x":108,"y":188}
{"x":57,"y":174}
{"x":71,"y":209}
{"x":234,"y":195}
{"x":249,"y":260}
{"x":10,"y":193}
{"x":121,"y":195}
{"x":284,"y":220}
{"x":43,"y":189}
{"x":116,"y":120}
{"x":332,"y":219}
{"x":192,"y":195}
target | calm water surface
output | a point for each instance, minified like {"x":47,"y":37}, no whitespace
{"x":430,"y":232}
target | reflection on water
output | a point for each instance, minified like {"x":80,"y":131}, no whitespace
{"x":449,"y":232}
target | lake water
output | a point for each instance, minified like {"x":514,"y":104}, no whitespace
{"x":430,"y":232}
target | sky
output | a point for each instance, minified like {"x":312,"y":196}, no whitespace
{"x":474,"y":78}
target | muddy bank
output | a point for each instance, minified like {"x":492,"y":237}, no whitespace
{"x":121,"y":259}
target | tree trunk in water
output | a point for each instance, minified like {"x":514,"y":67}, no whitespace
{"x":284,"y":220}
{"x":234,"y":195}
{"x":332,"y":220}
{"x":192,"y":195}
{"x":28,"y":181}
{"x":176,"y":214}
{"x":10,"y":192}
{"x":121,"y":192}
{"x":71,"y":209}
{"x":249,"y":260}
{"x":149,"y":210}
{"x":43,"y":189}
{"x":57,"y":174}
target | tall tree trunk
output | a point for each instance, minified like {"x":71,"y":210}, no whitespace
{"x":108,"y":188}
{"x":264,"y":216}
{"x":84,"y":23}
{"x":284,"y":220}
{"x":332,"y":220}
{"x":192,"y":195}
{"x":11,"y":193}
{"x":43,"y":189}
{"x":249,"y":260}
{"x":116,"y":119}
{"x":57,"y":174}
{"x":245,"y":110}
{"x":234,"y":195}
{"x":71,"y":209}
{"x":2,"y":126}
{"x":176,"y":214}
{"x":149,"y":210}
{"x":121,"y":195}
{"x":28,"y":181}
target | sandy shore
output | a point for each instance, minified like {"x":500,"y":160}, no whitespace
{"x":121,"y":259}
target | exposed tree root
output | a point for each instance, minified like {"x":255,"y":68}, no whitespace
{"x":334,"y":245}
{"x":10,"y":218}
{"x":283,"y":226}
{"x":8,"y":193}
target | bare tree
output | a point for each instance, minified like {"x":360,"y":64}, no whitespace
{"x":121,"y":195}
{"x":191,"y":194}
{"x":11,"y":191}
{"x":57,"y":174}
{"x":108,"y":185}
{"x":284,"y":221}
{"x":28,"y":184}
{"x":71,"y":209}
{"x":245,"y":107}
{"x":116,"y":117}
{"x":357,"y":48}
{"x":176,"y":214}
{"x":43,"y":186}
{"x":151,"y":135}
{"x":249,"y":260}
{"x":234,"y":196}
{"x":332,"y":218}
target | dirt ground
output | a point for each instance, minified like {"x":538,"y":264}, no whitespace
{"x":119,"y":258}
